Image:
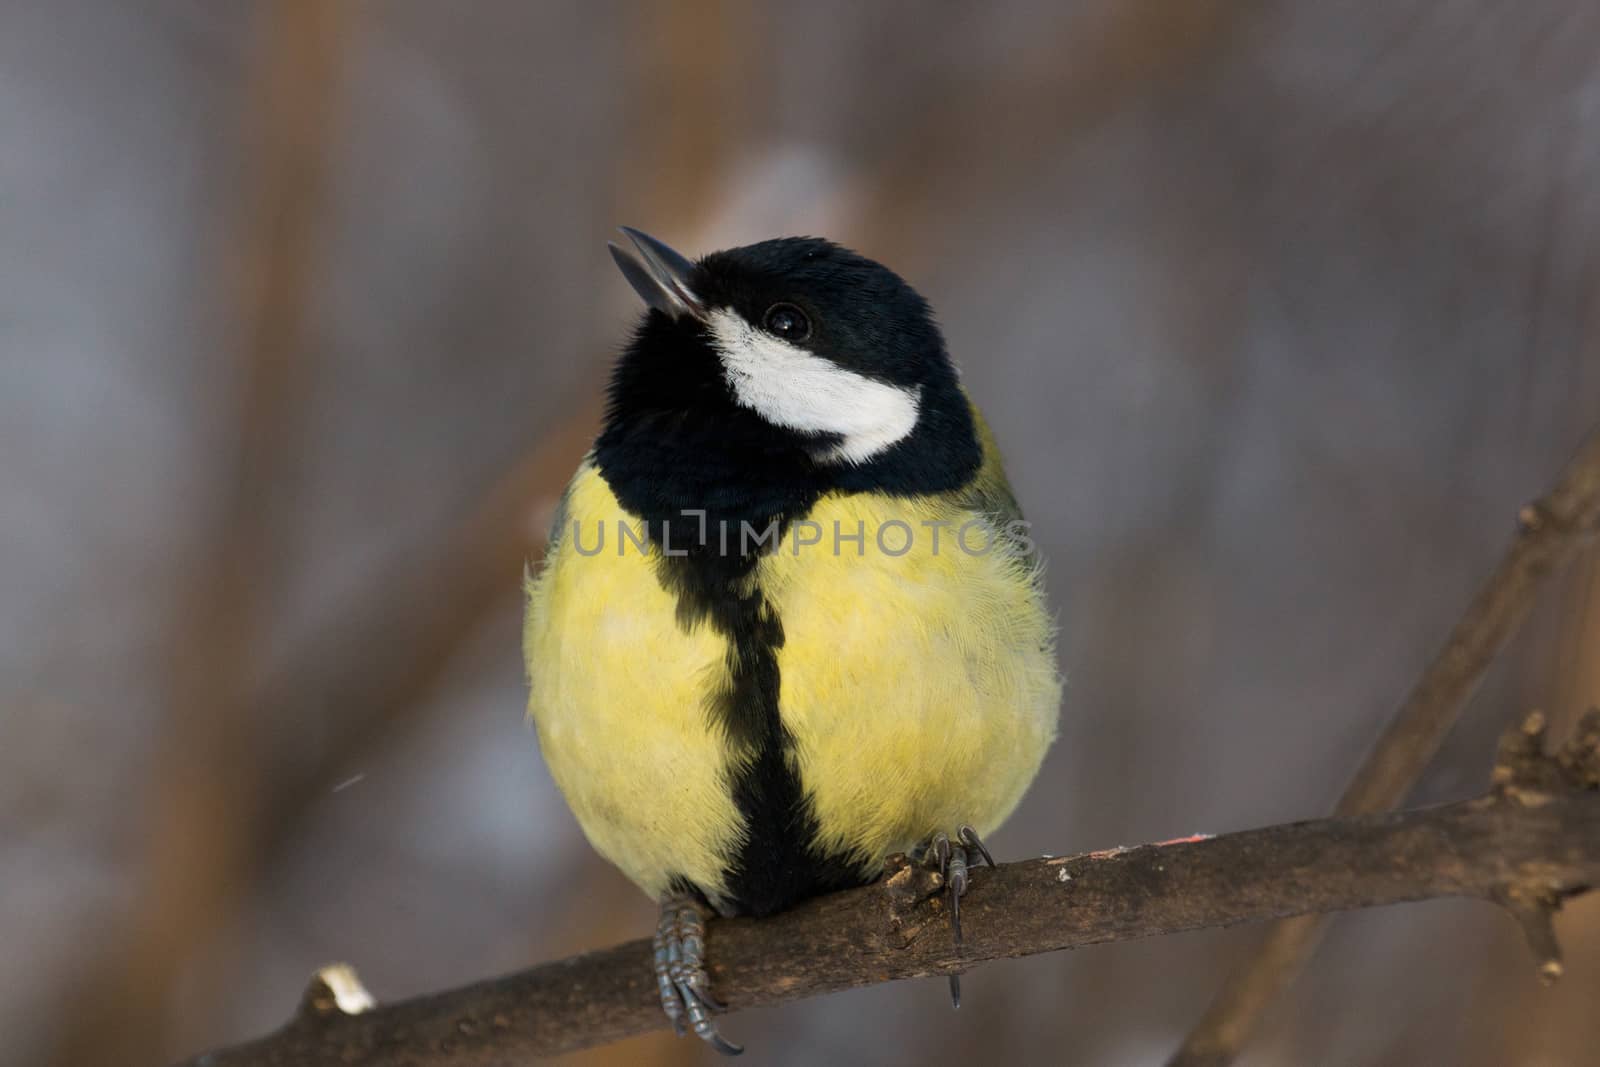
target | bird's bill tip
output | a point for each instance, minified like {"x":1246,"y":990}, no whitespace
{"x":658,"y":274}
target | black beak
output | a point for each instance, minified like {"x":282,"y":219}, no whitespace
{"x":659,"y":275}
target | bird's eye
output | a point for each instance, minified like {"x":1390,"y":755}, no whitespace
{"x":788,"y":322}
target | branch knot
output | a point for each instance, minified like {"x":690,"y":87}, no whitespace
{"x":1524,"y":773}
{"x":334,"y":990}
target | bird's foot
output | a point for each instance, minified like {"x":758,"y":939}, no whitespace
{"x":681,"y":978}
{"x":952,"y":860}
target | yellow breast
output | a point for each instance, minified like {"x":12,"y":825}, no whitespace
{"x":617,"y":690}
{"x":919,"y":683}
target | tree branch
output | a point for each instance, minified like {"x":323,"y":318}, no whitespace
{"x":1551,"y":533}
{"x":1527,"y":845}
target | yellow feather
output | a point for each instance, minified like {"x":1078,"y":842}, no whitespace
{"x":921,"y":690}
{"x":617,"y":691}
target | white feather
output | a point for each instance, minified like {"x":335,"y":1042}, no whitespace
{"x":790,"y":387}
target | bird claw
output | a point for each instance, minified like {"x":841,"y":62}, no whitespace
{"x":953,"y":862}
{"x":970,"y":838}
{"x":681,"y":978}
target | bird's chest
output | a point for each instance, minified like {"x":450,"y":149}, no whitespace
{"x":618,"y":692}
{"x":919,"y":687}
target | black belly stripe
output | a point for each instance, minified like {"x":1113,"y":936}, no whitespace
{"x":778,"y":864}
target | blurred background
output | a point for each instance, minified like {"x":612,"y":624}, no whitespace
{"x":1280,"y":310}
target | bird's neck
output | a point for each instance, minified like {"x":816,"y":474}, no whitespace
{"x":682,"y":456}
{"x":707,"y":486}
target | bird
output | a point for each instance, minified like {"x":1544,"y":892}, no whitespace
{"x":790,"y":619}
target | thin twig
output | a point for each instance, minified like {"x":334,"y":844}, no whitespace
{"x":1552,"y":532}
{"x":1501,"y":847}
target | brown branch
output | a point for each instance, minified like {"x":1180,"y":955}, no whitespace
{"x":1552,"y":532}
{"x":1529,"y":844}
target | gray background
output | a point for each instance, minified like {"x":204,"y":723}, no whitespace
{"x":1280,"y":310}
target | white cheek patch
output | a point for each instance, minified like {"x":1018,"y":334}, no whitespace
{"x":792,"y":388}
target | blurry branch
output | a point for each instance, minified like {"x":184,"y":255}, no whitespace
{"x":1140,"y":47}
{"x":206,"y":774}
{"x":1553,"y":531}
{"x":686,"y":56}
{"x":1533,"y":841}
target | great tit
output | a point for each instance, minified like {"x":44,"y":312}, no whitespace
{"x":790,"y":620}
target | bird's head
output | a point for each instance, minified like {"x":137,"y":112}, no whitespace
{"x":832,"y":351}
{"x":790,"y":362}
